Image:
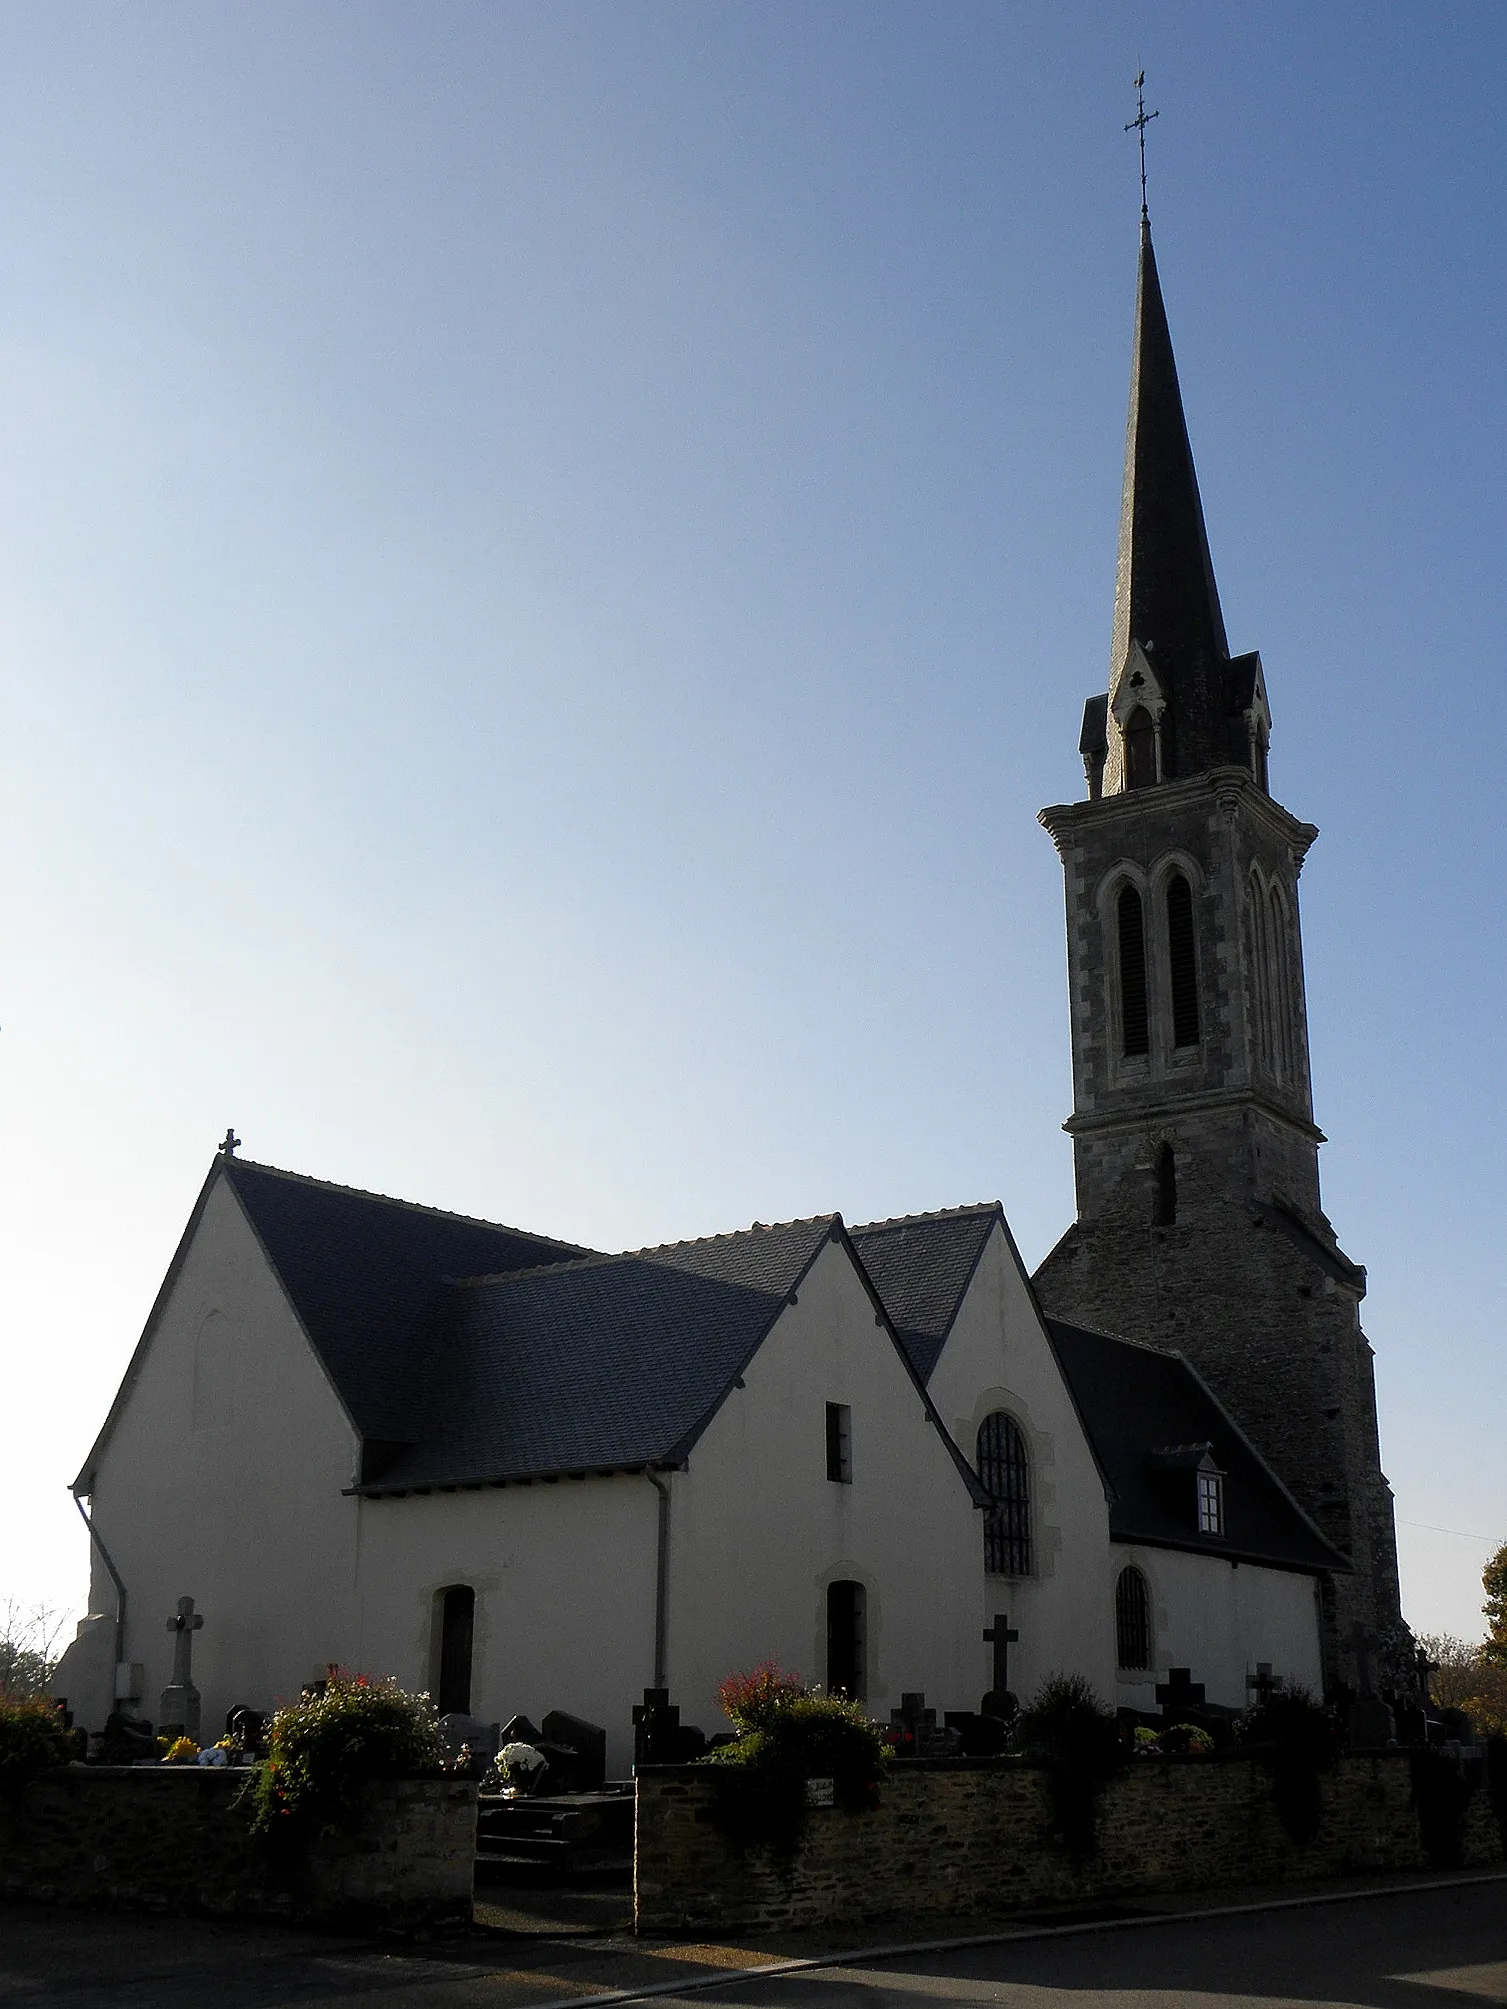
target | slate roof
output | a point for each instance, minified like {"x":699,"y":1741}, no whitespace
{"x":367,"y":1277}
{"x":613,"y":1363}
{"x":921,"y":1265}
{"x":1136,"y":1403}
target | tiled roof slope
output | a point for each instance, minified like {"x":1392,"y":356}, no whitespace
{"x":367,"y":1276}
{"x":921,"y":1266}
{"x":1134,"y":1401}
{"x":611,"y":1363}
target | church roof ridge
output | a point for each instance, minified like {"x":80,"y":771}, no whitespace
{"x":597,"y":1258}
{"x":968,"y":1209}
{"x":233,"y":1165}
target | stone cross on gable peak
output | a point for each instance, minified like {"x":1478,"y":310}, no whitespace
{"x":229,"y":1143}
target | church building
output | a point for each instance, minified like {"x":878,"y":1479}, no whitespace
{"x":528,"y":1476}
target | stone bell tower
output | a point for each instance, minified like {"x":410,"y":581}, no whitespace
{"x":1199,"y":1223}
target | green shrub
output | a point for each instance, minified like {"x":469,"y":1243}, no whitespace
{"x":751,"y":1700}
{"x":1296,"y":1740}
{"x":1071,"y":1733}
{"x":323,"y":1750}
{"x":32,"y":1737}
{"x":761,"y":1776}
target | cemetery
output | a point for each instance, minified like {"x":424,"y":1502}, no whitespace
{"x":359,"y":1803}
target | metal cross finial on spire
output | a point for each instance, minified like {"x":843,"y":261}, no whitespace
{"x":229,"y":1143}
{"x":1138,"y":126}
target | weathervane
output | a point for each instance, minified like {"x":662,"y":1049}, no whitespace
{"x":1138,"y":126}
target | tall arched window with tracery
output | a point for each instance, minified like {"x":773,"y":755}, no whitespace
{"x":1182,"y":961}
{"x":1006,"y":1475}
{"x":1130,"y":928}
{"x":1132,"y":1619}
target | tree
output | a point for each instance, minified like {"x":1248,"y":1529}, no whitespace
{"x":28,"y":1646}
{"x":1494,"y":1583}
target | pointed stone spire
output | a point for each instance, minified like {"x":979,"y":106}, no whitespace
{"x":1165,"y":596}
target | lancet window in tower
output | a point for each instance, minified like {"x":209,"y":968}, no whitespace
{"x":1135,"y":1025}
{"x":1182,"y":962}
{"x":1140,"y":749}
{"x":1281,"y":981}
{"x":1164,"y":1202}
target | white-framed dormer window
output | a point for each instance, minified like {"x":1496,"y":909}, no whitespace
{"x":1210,"y":1503}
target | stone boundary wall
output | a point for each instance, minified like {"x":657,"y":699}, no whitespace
{"x":954,"y":1838}
{"x":169,"y":1838}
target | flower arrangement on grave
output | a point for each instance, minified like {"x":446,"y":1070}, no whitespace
{"x":32,"y":1737}
{"x":323,"y":1749}
{"x":1076,"y":1739}
{"x":181,"y":1751}
{"x":789,"y":1734}
{"x":1177,"y":1740}
{"x":521,"y":1767}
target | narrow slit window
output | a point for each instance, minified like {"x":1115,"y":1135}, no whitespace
{"x":1135,"y":1031}
{"x":840,"y":1443}
{"x":847,"y":1639}
{"x":1182,"y":961}
{"x":457,"y":1615}
{"x":1140,"y":749}
{"x":1164,"y":1205}
{"x":1132,"y":1619}
{"x":1006,"y":1476}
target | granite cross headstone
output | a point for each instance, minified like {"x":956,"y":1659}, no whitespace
{"x":1001,"y":1636}
{"x":1179,"y":1692}
{"x":178,"y":1712}
{"x":1263,"y":1684}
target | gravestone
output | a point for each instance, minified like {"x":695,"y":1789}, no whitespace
{"x":1371,"y":1726}
{"x":178,"y":1711}
{"x":659,"y":1736}
{"x":1263,"y":1684}
{"x":914,"y":1732}
{"x":125,"y":1740}
{"x":1179,"y":1693}
{"x":458,"y":1730}
{"x":583,"y":1751}
{"x":999,"y":1701}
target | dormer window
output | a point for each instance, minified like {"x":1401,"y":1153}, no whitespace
{"x":1140,"y":749}
{"x":1210,"y":1503}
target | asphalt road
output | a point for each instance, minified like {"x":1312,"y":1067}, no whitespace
{"x":1421,"y":1950}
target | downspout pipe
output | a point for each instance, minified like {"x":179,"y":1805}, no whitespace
{"x":115,"y":1578}
{"x":661,"y":1581}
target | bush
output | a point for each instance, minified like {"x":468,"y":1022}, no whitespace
{"x":752,"y":1700}
{"x":32,"y":1737}
{"x":1070,"y":1732}
{"x":323,"y":1750}
{"x":1296,"y":1740}
{"x":761,"y":1776}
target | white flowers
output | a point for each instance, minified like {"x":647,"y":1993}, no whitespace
{"x":520,"y":1760}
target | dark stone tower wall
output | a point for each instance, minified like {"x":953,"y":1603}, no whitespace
{"x":1199,"y":1223}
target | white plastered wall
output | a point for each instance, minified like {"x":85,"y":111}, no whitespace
{"x":1220,"y":1620}
{"x":758,"y":1531}
{"x":222,"y":1481}
{"x":564,"y":1576}
{"x":997,"y":1356}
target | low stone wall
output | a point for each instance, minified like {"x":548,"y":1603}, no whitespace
{"x":169,"y":1838}
{"x":960,"y":1838}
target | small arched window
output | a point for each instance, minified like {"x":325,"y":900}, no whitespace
{"x":1132,"y":1619}
{"x":456,"y":1616}
{"x":847,"y":1639}
{"x":1182,"y":961}
{"x":1130,"y":921}
{"x":1006,"y":1474}
{"x":1140,"y":749}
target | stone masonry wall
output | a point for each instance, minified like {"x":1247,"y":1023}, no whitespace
{"x":955,"y":1839}
{"x":169,"y":1838}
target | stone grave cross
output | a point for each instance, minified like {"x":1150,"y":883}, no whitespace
{"x":180,"y":1699}
{"x":1179,"y":1691}
{"x":1002,"y":1635}
{"x":1263,"y":1684}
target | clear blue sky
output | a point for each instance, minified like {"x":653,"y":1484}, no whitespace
{"x":550,"y":554}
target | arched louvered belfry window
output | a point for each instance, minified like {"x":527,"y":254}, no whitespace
{"x":1006,"y":1474}
{"x":1182,"y":961}
{"x":1140,"y":749}
{"x":1132,"y":1619}
{"x":1130,"y":921}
